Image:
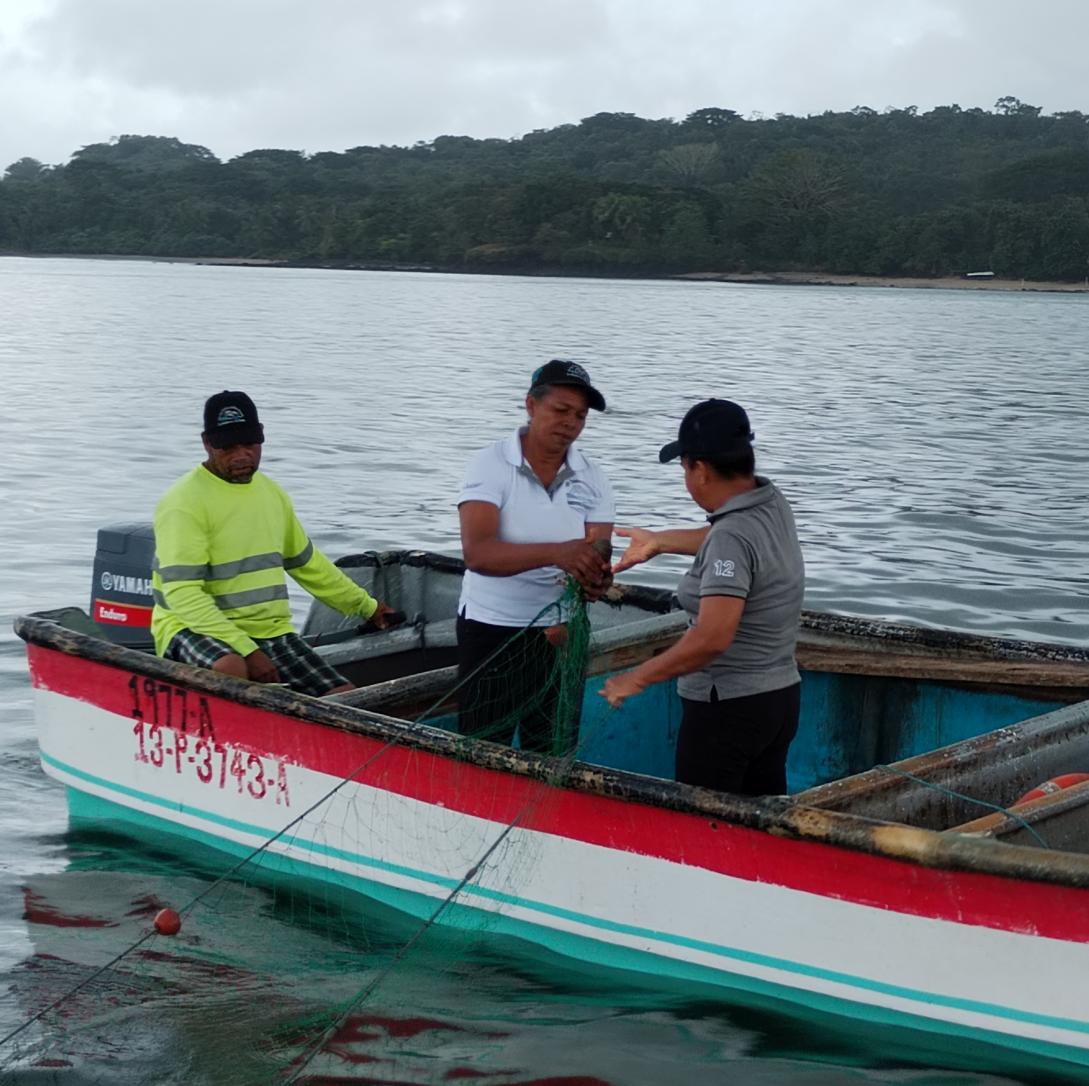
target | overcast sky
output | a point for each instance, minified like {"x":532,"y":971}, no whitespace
{"x":317,"y":75}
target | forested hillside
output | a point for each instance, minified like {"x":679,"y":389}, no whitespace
{"x":863,"y":192}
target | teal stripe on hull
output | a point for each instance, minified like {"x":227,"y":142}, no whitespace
{"x":1012,"y":1051}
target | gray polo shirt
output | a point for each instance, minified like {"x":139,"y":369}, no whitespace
{"x":751,"y":551}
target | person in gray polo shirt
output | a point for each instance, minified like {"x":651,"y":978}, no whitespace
{"x":735,"y":667}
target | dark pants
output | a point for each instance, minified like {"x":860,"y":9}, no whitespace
{"x":740,"y":744}
{"x":517,"y":689}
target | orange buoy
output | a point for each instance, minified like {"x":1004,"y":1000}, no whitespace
{"x":167,"y":922}
{"x":1049,"y":788}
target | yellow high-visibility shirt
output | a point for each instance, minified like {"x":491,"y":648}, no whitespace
{"x":221,"y":551}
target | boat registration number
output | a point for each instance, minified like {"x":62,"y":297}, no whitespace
{"x":174,"y":731}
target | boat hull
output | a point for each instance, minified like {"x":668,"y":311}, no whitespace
{"x":598,"y":874}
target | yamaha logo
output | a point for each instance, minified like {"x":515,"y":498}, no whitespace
{"x":132,"y":586}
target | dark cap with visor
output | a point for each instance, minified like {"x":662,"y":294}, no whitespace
{"x":712,"y":429}
{"x":562,"y":372}
{"x":230,"y":418}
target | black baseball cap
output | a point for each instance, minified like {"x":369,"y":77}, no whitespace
{"x":560,"y":371}
{"x":710,"y":429}
{"x":230,"y":418}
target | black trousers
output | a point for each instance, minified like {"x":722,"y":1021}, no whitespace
{"x":740,"y":744}
{"x":518,"y":689}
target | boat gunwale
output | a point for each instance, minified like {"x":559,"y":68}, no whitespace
{"x":933,"y":637}
{"x":880,"y":631}
{"x":777,"y":815}
{"x":645,"y":597}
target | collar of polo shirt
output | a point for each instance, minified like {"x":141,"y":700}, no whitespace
{"x":573,"y":463}
{"x":764,"y":491}
{"x":512,"y":452}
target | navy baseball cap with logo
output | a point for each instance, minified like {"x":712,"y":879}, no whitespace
{"x":562,"y":372}
{"x":230,"y":418}
{"x":713,"y":428}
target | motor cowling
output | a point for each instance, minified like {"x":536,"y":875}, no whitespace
{"x":121,"y":599}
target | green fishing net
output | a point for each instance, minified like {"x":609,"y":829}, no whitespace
{"x":528,"y":688}
{"x":277,"y":976}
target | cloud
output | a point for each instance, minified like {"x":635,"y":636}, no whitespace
{"x":329,"y":74}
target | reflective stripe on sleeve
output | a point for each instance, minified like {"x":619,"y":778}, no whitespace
{"x":301,"y":558}
{"x":168,"y":574}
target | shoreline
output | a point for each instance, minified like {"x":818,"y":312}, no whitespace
{"x":757,"y":278}
{"x":829,"y":279}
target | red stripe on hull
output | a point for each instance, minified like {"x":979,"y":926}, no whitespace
{"x":693,"y":840}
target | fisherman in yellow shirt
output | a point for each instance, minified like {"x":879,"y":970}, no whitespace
{"x":225,"y":534}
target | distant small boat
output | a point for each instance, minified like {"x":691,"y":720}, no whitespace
{"x":881,"y":892}
{"x":979,"y":275}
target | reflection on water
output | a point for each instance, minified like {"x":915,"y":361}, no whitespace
{"x":932,"y":443}
{"x":259,"y":972}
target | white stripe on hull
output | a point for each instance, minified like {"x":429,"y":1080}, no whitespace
{"x":969,"y":976}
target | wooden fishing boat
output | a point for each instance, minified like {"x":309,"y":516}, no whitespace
{"x":894,"y":887}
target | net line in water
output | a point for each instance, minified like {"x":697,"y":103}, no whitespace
{"x":186,"y":909}
{"x":302,"y":1063}
{"x":506,"y":690}
{"x":561,"y":694}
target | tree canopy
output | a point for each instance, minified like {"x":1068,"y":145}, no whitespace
{"x":891,"y":192}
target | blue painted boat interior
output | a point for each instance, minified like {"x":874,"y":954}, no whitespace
{"x":849,"y":723}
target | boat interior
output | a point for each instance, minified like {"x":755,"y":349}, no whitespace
{"x":934,"y":729}
{"x":980,"y":786}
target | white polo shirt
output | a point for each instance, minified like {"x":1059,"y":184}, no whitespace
{"x":528,"y":513}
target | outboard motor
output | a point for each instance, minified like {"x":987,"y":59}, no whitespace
{"x":121,"y":589}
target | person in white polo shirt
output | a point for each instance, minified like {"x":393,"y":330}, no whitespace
{"x":531,"y":506}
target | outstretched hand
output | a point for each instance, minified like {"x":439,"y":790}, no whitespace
{"x":618,"y":688}
{"x":643,"y":547}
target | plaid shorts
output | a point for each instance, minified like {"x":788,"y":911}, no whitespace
{"x":300,"y":667}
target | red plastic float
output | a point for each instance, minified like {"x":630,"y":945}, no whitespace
{"x":1049,"y":788}
{"x":167,"y":922}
